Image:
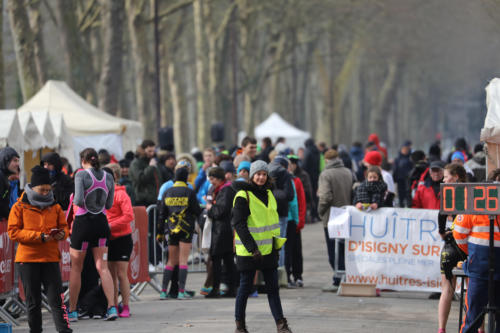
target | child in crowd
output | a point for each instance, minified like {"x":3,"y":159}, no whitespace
{"x":371,"y":192}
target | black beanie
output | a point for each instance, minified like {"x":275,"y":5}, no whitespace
{"x":39,"y":176}
{"x":181,"y":174}
{"x":217,"y":172}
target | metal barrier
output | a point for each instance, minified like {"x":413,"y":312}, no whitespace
{"x":195,"y":263}
{"x":196,"y":258}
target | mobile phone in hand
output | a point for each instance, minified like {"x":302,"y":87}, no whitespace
{"x":54,"y":232}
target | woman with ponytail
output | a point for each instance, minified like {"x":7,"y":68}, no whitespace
{"x":94,"y":191}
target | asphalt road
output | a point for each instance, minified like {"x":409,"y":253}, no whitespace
{"x":307,"y":309}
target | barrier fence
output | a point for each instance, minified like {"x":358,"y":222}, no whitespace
{"x":11,"y":291}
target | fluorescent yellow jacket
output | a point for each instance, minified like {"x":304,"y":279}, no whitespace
{"x":263,"y":223}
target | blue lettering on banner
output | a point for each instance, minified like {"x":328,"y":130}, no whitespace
{"x":377,"y":230}
{"x":429,"y":231}
{"x":389,"y":260}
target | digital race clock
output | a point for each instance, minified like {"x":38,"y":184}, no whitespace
{"x":470,"y":198}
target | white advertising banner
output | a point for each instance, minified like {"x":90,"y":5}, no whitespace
{"x":394,"y":248}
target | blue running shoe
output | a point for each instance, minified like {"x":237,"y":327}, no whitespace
{"x":184,"y":295}
{"x":73,"y":316}
{"x":112,"y":314}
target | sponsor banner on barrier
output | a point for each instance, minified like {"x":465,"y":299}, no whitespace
{"x":394,"y":248}
{"x":6,"y":259}
{"x":65,"y":262}
{"x":138,"y":268}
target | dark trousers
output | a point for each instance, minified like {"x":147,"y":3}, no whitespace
{"x":477,"y":299}
{"x":33,"y":276}
{"x":404,"y":194}
{"x":272,"y":289}
{"x":330,"y":244}
{"x":153,"y":244}
{"x":293,"y":252}
{"x":228,"y":259}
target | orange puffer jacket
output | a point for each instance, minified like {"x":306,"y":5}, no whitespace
{"x":26,"y":224}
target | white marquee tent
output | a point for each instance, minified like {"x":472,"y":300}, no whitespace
{"x":34,"y":140}
{"x":275,"y":126}
{"x":490,"y":133}
{"x":87,"y":125}
{"x":10,"y":130}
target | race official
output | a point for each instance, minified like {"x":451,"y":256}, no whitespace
{"x":471,"y":233}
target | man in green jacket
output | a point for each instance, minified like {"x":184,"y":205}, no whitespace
{"x":144,"y":175}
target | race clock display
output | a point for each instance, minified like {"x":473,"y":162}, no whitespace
{"x":470,"y":198}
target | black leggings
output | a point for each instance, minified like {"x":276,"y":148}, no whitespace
{"x":217,"y":270}
{"x":33,"y":276}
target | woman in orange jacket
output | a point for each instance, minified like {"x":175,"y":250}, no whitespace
{"x":37,"y":223}
{"x":120,"y":244}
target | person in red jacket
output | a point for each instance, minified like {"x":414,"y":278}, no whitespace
{"x":294,"y":259}
{"x":427,"y":194}
{"x":120,"y":244}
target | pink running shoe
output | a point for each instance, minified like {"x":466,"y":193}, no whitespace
{"x":125,"y":312}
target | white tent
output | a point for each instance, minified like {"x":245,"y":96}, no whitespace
{"x":32,"y":136}
{"x":10,"y":130}
{"x":87,"y":125}
{"x":275,"y":127}
{"x":63,"y":138}
{"x":44,"y":125}
{"x":490,"y":133}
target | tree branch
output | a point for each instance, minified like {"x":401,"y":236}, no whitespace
{"x":171,"y":10}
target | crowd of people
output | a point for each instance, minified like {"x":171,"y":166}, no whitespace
{"x":245,"y":200}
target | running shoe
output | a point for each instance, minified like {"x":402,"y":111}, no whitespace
{"x":184,"y":295}
{"x":125,"y":313}
{"x":112,"y":314}
{"x":254,"y":294}
{"x":299,"y":283}
{"x":73,"y":316}
{"x":205,"y":290}
{"x":164,"y":295}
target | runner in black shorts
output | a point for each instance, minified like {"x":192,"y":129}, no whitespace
{"x":94,"y":191}
{"x":179,"y":211}
{"x":120,"y":245}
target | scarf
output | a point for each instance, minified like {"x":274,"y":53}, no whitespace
{"x":38,"y":200}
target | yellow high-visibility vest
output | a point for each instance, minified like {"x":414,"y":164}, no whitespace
{"x":263,"y":223}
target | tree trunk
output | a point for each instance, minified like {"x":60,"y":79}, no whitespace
{"x":200,"y":84}
{"x":176,"y":107}
{"x":140,"y":54}
{"x":275,"y":101}
{"x":111,"y":74}
{"x":379,"y":114}
{"x":2,"y":81}
{"x":36,"y":24}
{"x":212,"y":65}
{"x":340,"y":88}
{"x":23,"y":44}
{"x":77,"y":57}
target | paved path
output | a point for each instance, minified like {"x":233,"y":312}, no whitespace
{"x":308,"y":310}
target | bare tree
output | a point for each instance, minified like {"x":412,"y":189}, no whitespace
{"x":79,"y":69}
{"x":36,"y":23}
{"x":23,"y":41}
{"x":112,"y":29}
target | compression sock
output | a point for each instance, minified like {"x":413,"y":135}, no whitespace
{"x":167,"y":275}
{"x":183,"y":272}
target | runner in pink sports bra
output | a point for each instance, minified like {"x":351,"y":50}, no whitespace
{"x":94,"y":191}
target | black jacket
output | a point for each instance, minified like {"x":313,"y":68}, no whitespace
{"x":311,"y":162}
{"x":239,"y":221}
{"x":6,"y":155}
{"x":178,"y":206}
{"x":220,"y":213}
{"x":402,"y":168}
{"x":62,"y":184}
{"x":371,"y":192}
{"x":283,"y":187}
